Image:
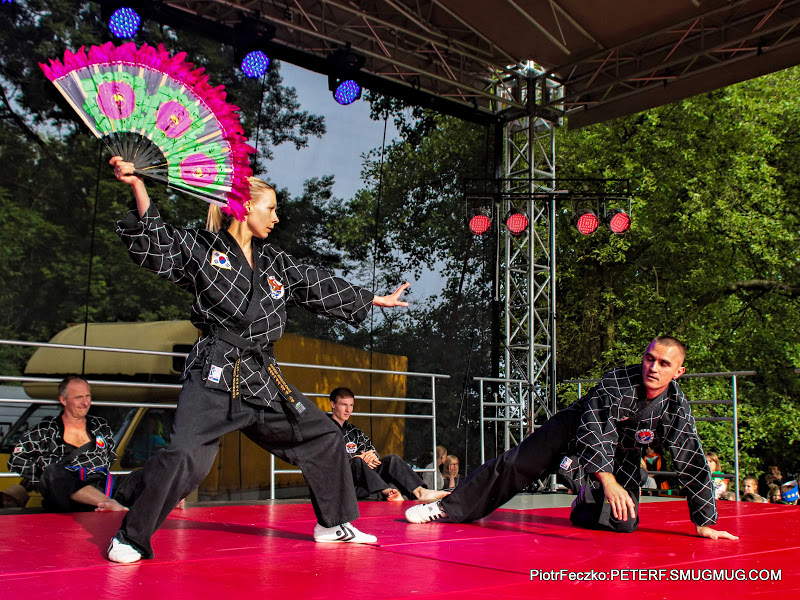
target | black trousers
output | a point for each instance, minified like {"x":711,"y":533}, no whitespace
{"x":314,"y":443}
{"x":591,"y":511}
{"x":392,"y":470}
{"x":59,"y":483}
{"x":497,"y":481}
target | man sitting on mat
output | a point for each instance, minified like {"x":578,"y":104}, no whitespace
{"x":67,"y":458}
{"x":371,"y":474}
{"x":632,"y":407}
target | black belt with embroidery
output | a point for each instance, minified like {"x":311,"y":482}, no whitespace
{"x":257,"y":350}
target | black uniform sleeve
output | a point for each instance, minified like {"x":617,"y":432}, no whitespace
{"x":365,"y":444}
{"x":27,"y":456}
{"x":597,"y":436}
{"x":680,"y":436}
{"x":158,"y":247}
{"x":321,"y":292}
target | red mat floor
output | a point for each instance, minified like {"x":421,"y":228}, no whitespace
{"x":250,"y":551}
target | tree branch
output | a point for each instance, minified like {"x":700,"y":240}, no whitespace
{"x":25,"y":128}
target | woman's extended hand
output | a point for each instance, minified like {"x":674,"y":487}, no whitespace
{"x":392,"y":299}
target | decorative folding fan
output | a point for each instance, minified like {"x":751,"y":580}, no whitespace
{"x":160,"y":113}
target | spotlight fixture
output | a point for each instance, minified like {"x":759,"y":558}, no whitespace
{"x":617,"y":220}
{"x":479,"y":221}
{"x":252,"y":37}
{"x":124,"y":22}
{"x":347,"y":92}
{"x":255,"y":63}
{"x":516,"y":221}
{"x":586,"y":221}
{"x":344,"y":65}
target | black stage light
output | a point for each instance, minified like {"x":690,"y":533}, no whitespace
{"x":617,"y":220}
{"x":479,"y":221}
{"x":586,"y":221}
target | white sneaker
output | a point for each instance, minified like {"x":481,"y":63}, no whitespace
{"x":122,"y":553}
{"x":425,"y":513}
{"x":342,"y":533}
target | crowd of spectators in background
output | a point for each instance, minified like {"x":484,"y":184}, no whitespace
{"x":770,"y":486}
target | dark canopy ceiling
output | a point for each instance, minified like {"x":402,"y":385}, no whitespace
{"x":613,"y":57}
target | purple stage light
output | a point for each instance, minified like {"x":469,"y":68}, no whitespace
{"x":347,"y":92}
{"x":124,"y":22}
{"x":255,"y":64}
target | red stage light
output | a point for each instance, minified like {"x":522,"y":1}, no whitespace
{"x":586,"y":221}
{"x":516,"y":221}
{"x":617,"y":220}
{"x":479,"y":221}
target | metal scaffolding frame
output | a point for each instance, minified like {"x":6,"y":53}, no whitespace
{"x":450,"y":54}
{"x":527,"y":281}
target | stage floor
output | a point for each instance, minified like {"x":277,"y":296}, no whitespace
{"x":266,"y":550}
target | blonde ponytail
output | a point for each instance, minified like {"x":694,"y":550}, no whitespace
{"x":217,"y":219}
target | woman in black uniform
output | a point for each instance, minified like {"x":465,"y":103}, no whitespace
{"x":231,"y":381}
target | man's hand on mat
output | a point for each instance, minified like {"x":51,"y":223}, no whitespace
{"x":621,"y":504}
{"x":714,"y":534}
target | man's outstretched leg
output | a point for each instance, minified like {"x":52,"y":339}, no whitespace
{"x":494,"y":483}
{"x":395,"y":470}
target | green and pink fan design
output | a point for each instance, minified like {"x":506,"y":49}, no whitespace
{"x":160,"y":113}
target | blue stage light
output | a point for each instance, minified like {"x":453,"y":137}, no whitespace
{"x":255,"y":64}
{"x":124,"y":22}
{"x":347,"y":92}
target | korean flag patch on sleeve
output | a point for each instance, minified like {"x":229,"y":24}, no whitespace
{"x":220,"y":260}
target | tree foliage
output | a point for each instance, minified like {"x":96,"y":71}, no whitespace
{"x":59,"y":200}
{"x":712,"y":256}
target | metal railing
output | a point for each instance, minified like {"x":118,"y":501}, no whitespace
{"x":167,"y":386}
{"x":503,"y":411}
{"x":425,"y":401}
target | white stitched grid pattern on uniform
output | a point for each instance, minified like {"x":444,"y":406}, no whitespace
{"x":213,"y":267}
{"x":44,"y":444}
{"x":605,"y":442}
{"x":353,"y":435}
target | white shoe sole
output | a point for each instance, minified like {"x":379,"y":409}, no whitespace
{"x":344,"y":533}
{"x":122,"y":553}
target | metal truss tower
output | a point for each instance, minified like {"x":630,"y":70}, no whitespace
{"x":529,"y":259}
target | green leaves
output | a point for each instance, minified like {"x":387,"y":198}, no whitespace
{"x":58,"y":199}
{"x":712,"y":256}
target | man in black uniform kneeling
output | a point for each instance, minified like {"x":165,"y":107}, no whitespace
{"x":632,"y":407}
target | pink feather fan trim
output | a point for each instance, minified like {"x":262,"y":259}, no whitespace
{"x":177,"y":68}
